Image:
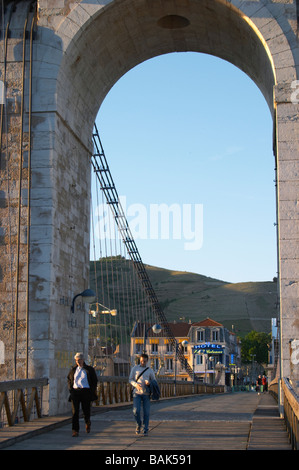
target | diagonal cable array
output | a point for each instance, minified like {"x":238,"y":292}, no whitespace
{"x":102,"y":171}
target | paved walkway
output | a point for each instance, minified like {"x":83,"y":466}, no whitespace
{"x":236,"y":421}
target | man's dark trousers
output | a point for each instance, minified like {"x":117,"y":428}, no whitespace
{"x":80,"y":395}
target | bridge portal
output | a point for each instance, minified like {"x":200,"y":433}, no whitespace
{"x":59,"y":60}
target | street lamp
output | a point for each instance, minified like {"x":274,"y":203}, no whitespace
{"x":220,"y":368}
{"x":252,"y":366}
{"x":211,"y":359}
{"x":95,"y":314}
{"x":88,"y":296}
{"x":107,"y":310}
{"x":183,"y":343}
{"x":156,"y":329}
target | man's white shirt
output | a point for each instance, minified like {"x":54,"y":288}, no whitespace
{"x":80,"y":378}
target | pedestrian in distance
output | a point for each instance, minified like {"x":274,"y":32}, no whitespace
{"x":140,"y":378}
{"x":264,"y":383}
{"x":82,"y":384}
{"x":258,"y":385}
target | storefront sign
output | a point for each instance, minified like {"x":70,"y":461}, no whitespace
{"x":208,"y":348}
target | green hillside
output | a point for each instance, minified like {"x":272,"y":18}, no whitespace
{"x":241,"y":307}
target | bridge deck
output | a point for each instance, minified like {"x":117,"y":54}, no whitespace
{"x":240,"y":421}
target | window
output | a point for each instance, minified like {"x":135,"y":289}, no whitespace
{"x":168,"y":348}
{"x":198,"y":359}
{"x":138,"y":348}
{"x":156,"y":364}
{"x":169,"y":364}
{"x":215,"y":335}
{"x":200,"y":335}
{"x":154,"y":348}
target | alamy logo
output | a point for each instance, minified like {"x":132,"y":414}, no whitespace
{"x":156,"y":222}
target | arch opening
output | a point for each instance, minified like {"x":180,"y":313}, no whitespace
{"x":120,"y":37}
{"x":180,"y":138}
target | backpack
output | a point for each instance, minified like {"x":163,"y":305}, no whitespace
{"x":155,"y":390}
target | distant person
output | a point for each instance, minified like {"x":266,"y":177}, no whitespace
{"x":82,"y":383}
{"x":258,"y":384}
{"x":265,"y":383}
{"x":140,"y":378}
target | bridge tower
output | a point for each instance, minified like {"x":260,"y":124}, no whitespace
{"x":59,"y":59}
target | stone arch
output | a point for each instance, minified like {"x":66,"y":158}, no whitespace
{"x":81,"y":49}
{"x":105,"y":43}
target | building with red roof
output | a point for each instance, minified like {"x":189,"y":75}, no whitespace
{"x":211,"y":350}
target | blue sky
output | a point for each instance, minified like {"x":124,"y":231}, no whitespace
{"x":191,"y":129}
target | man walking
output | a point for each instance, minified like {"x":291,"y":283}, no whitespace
{"x":82,"y":383}
{"x":140,"y":378}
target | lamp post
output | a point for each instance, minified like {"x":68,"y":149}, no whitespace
{"x":177,"y":345}
{"x":206,"y":364}
{"x":252,"y":366}
{"x":156,"y":329}
{"x":211,"y":359}
{"x":95,"y":314}
{"x":193,"y":367}
{"x":219,"y":367}
{"x":107,"y":310}
{"x":87,"y":295}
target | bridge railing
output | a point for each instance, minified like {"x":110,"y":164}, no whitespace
{"x":21,"y":400}
{"x":112,"y":390}
{"x":290,"y":401}
{"x":291,"y":412}
{"x":273,"y":388}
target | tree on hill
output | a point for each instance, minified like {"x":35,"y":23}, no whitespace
{"x":255,"y":344}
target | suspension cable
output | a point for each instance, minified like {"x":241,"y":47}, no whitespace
{"x":108,"y":188}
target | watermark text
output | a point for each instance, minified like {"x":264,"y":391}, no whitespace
{"x":155,"y":222}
